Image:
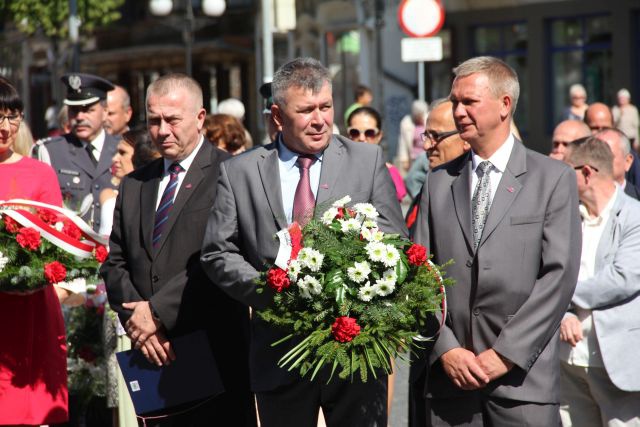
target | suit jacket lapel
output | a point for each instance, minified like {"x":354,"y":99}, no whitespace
{"x":108,"y":150}
{"x":80,"y":157}
{"x":148,"y":200}
{"x":189,"y":185}
{"x":507,"y":190}
{"x":609,"y":237}
{"x":270,"y":177}
{"x":462,"y":199}
{"x":331,"y":166}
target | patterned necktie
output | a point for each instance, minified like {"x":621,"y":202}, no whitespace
{"x":304,"y":202}
{"x":481,"y":201}
{"x":89,"y":148}
{"x":166,"y":203}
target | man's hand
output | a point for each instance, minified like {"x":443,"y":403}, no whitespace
{"x":571,"y":330}
{"x":141,"y":325}
{"x":493,"y":365}
{"x":157,"y":349}
{"x":461,"y":367}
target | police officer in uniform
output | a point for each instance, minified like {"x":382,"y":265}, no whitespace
{"x":82,"y":158}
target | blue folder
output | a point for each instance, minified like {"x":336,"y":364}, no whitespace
{"x":193,"y":376}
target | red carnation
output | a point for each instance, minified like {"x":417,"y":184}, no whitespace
{"x":344,"y":329}
{"x":28,"y":238}
{"x":55,"y":272}
{"x":101,"y":253}
{"x":277,"y":278}
{"x":340,"y":214}
{"x":11,"y":225}
{"x":47,"y":216}
{"x":71,"y":230}
{"x":417,"y":254}
{"x":296,"y":240}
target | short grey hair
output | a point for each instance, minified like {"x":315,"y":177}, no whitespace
{"x":503,"y":79}
{"x":306,"y":73}
{"x":591,"y":151}
{"x":419,"y":109}
{"x":577,"y":90}
{"x":126,"y":99}
{"x":625,"y":143}
{"x":170,"y":82}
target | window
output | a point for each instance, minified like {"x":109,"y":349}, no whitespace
{"x":508,"y":41}
{"x":579,"y":52}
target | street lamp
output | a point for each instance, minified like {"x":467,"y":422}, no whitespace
{"x":213,"y":8}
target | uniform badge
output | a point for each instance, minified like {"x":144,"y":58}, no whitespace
{"x":76,"y":180}
{"x":75,"y":82}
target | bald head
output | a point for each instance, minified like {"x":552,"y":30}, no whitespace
{"x":598,"y":116}
{"x":621,"y":150}
{"x":440,"y":147}
{"x":566,"y":132}
{"x":118,"y":111}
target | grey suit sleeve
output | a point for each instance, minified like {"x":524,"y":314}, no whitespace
{"x":221,"y":257}
{"x":525,"y":336}
{"x":620,"y":278}
{"x":446,"y":339}
{"x":385,"y":201}
{"x":114,"y":271}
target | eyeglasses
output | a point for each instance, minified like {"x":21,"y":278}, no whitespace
{"x":583,"y":166}
{"x":14,"y":119}
{"x":437,"y":137}
{"x":368,"y":133}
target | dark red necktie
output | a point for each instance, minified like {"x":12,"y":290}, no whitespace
{"x":304,"y":202}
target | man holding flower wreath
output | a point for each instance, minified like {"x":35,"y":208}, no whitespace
{"x":266,"y":189}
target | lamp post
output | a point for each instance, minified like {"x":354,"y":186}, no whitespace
{"x":213,"y":8}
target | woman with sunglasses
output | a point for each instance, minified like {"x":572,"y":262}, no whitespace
{"x":365,"y":125}
{"x":33,"y":356}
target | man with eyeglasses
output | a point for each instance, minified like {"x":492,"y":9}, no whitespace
{"x":566,"y":132}
{"x":599,"y":378}
{"x":442,"y":143}
{"x":82,"y":158}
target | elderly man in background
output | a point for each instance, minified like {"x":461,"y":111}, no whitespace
{"x":566,"y":132}
{"x":119,"y":111}
{"x":622,"y":158}
{"x":600,"y":380}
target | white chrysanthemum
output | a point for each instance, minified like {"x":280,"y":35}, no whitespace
{"x":340,"y":203}
{"x":3,"y":261}
{"x":315,"y":288}
{"x":366,"y":292}
{"x":329,"y":215}
{"x":391,"y":256}
{"x":370,"y":224}
{"x":293,"y":270}
{"x":366,"y":209}
{"x":310,"y":258}
{"x":390,"y":275}
{"x":376,"y":251}
{"x":371,"y":234}
{"x":350,"y":224}
{"x":359,"y":272}
{"x":304,"y":289}
{"x":384,"y":287}
{"x":376,"y":235}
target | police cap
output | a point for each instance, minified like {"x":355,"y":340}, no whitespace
{"x":85,"y":89}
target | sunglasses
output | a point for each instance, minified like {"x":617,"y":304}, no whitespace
{"x":368,"y":133}
{"x":437,"y":137}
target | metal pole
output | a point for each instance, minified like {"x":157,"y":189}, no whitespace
{"x":187,"y":36}
{"x":267,"y":40}
{"x":421,"y":89}
{"x":74,"y":34}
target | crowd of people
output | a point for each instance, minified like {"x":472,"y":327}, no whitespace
{"x":541,"y":324}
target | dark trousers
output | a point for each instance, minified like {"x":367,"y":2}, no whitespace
{"x":478,"y":410}
{"x":344,"y":404}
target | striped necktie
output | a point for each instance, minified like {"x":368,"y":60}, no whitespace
{"x":166,"y":203}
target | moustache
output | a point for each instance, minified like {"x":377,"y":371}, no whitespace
{"x":84,"y":123}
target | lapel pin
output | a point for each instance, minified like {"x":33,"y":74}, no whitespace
{"x":510,"y":189}
{"x":325,"y":186}
{"x":187,"y":185}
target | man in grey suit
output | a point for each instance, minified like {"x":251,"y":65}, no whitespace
{"x":508,"y":217}
{"x":600,"y":380}
{"x":256,"y":198}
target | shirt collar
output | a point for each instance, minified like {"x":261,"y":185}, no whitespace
{"x":604,"y":214}
{"x":288,"y":157}
{"x":186,"y":162}
{"x":499,"y":159}
{"x":98,"y":141}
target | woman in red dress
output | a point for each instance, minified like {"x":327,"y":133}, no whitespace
{"x":33,"y":365}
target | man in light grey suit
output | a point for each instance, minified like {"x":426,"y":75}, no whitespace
{"x":509,"y":219}
{"x":257,"y":194}
{"x":600,"y":379}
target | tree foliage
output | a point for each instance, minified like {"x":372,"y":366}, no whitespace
{"x":52,"y":16}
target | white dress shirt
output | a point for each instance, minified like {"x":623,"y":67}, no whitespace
{"x":97,"y":144}
{"x":499,"y":160}
{"x":185,"y":163}
{"x":290,"y":176}
{"x":586,"y":352}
